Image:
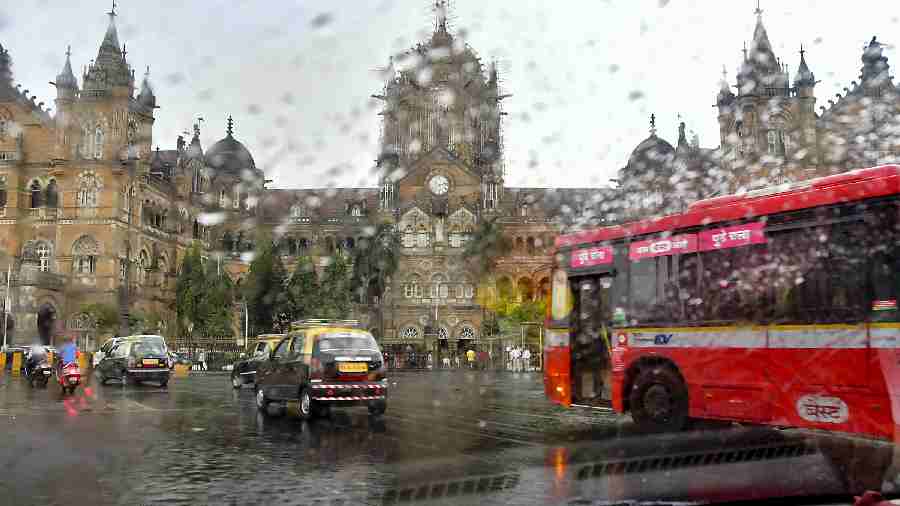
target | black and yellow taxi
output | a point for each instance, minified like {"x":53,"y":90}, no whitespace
{"x":320,"y":364}
{"x":244,"y":371}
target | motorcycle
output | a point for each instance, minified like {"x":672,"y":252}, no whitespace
{"x":68,"y":377}
{"x":39,"y":374}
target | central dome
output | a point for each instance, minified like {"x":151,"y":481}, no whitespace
{"x":651,"y":152}
{"x":229,"y":155}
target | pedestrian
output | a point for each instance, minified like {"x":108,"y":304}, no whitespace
{"x":515,"y":356}
{"x":470,"y":358}
{"x":456,"y":359}
{"x":202,"y":359}
{"x":430,"y":361}
{"x":446,"y":361}
{"x":526,"y":359}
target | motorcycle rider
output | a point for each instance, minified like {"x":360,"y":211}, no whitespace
{"x":35,"y":355}
{"x":68,"y":353}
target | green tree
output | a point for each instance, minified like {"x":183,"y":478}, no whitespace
{"x":190,"y":286}
{"x":375,"y":260}
{"x":303,"y":289}
{"x":216,"y":306}
{"x":487,"y":244}
{"x":268,"y":304}
{"x":105,"y":317}
{"x":336,"y":293}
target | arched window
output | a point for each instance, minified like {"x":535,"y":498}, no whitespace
{"x":466,"y":332}
{"x":35,"y":195}
{"x":523,"y":210}
{"x":409,"y":237}
{"x":87,"y":138}
{"x":4,"y":127}
{"x":412,"y":288}
{"x":530,"y":245}
{"x":439,"y":288}
{"x":87,"y":191}
{"x":143,"y":265}
{"x":2,"y":191}
{"x":236,"y":201}
{"x":223,"y":198}
{"x":410,"y":333}
{"x":302,"y":245}
{"x":52,"y":194}
{"x":84,"y":255}
{"x":297,"y":212}
{"x":45,"y":256}
{"x":422,"y":237}
{"x":355,"y":210}
{"x":98,"y":142}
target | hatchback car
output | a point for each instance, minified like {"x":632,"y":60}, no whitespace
{"x":136,"y":359}
{"x":244,"y":371}
{"x":322,"y":364}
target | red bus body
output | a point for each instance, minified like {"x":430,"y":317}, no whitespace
{"x":836,"y":376}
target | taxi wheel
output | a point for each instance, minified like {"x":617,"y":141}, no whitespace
{"x":659,"y":400}
{"x":262,"y":402}
{"x":306,"y":405}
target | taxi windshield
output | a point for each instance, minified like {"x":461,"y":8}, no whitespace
{"x":333,"y":342}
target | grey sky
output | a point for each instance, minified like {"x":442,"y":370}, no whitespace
{"x":585,"y":75}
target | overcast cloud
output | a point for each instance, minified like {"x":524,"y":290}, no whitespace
{"x":297,"y":76}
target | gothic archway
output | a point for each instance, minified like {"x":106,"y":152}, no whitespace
{"x":46,"y":321}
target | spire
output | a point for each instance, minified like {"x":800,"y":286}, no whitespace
{"x":230,"y":129}
{"x":874,"y":71}
{"x":5,"y":68}
{"x":804,"y":77}
{"x":440,"y":16}
{"x":682,"y":137}
{"x":109,"y":68}
{"x":66,"y":78}
{"x":652,"y":124}
{"x":146,"y":97}
{"x":195,"y":150}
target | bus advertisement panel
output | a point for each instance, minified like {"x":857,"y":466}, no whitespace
{"x":776,"y":307}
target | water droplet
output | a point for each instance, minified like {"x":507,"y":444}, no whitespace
{"x":209,"y":219}
{"x":636,"y":95}
{"x":321,"y":20}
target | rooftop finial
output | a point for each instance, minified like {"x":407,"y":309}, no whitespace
{"x":112,"y":12}
{"x":652,"y":124}
{"x":68,"y":51}
{"x":745,"y":50}
{"x":230,"y":129}
{"x":440,"y":11}
{"x":758,"y":11}
{"x":802,"y":51}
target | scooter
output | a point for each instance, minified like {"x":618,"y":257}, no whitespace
{"x":39,"y":374}
{"x":69,"y":377}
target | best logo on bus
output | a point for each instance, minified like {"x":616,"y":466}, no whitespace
{"x":822,"y":409}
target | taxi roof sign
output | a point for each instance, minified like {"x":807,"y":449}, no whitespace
{"x":323,"y":322}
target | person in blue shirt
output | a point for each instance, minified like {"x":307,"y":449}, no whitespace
{"x":68,"y":352}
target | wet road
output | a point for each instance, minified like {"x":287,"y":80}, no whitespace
{"x":448,"y":437}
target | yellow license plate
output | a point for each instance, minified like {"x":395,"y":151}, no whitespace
{"x":353,"y":367}
{"x":150,"y":361}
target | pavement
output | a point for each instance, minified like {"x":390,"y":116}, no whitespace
{"x":448,"y":437}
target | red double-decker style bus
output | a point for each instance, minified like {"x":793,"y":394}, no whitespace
{"x":776,"y":306}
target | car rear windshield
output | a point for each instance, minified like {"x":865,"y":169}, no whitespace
{"x":149,"y":346}
{"x":329,"y":342}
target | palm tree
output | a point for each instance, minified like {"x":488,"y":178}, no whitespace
{"x":486,"y":246}
{"x":375,"y":259}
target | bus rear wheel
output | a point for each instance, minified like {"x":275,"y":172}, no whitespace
{"x":659,"y":400}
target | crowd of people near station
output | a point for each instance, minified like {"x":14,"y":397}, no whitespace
{"x":511,"y":358}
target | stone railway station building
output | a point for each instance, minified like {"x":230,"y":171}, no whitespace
{"x":91,"y":212}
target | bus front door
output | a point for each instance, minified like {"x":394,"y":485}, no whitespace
{"x":590,"y":340}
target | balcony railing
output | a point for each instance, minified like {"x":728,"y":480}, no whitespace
{"x":39,"y":279}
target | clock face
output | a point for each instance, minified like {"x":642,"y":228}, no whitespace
{"x":439,"y":185}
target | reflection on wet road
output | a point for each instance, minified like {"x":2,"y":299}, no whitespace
{"x":446,"y":435}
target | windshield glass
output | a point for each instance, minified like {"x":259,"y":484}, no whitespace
{"x":335,"y":342}
{"x":148,"y":346}
{"x":514,"y":251}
